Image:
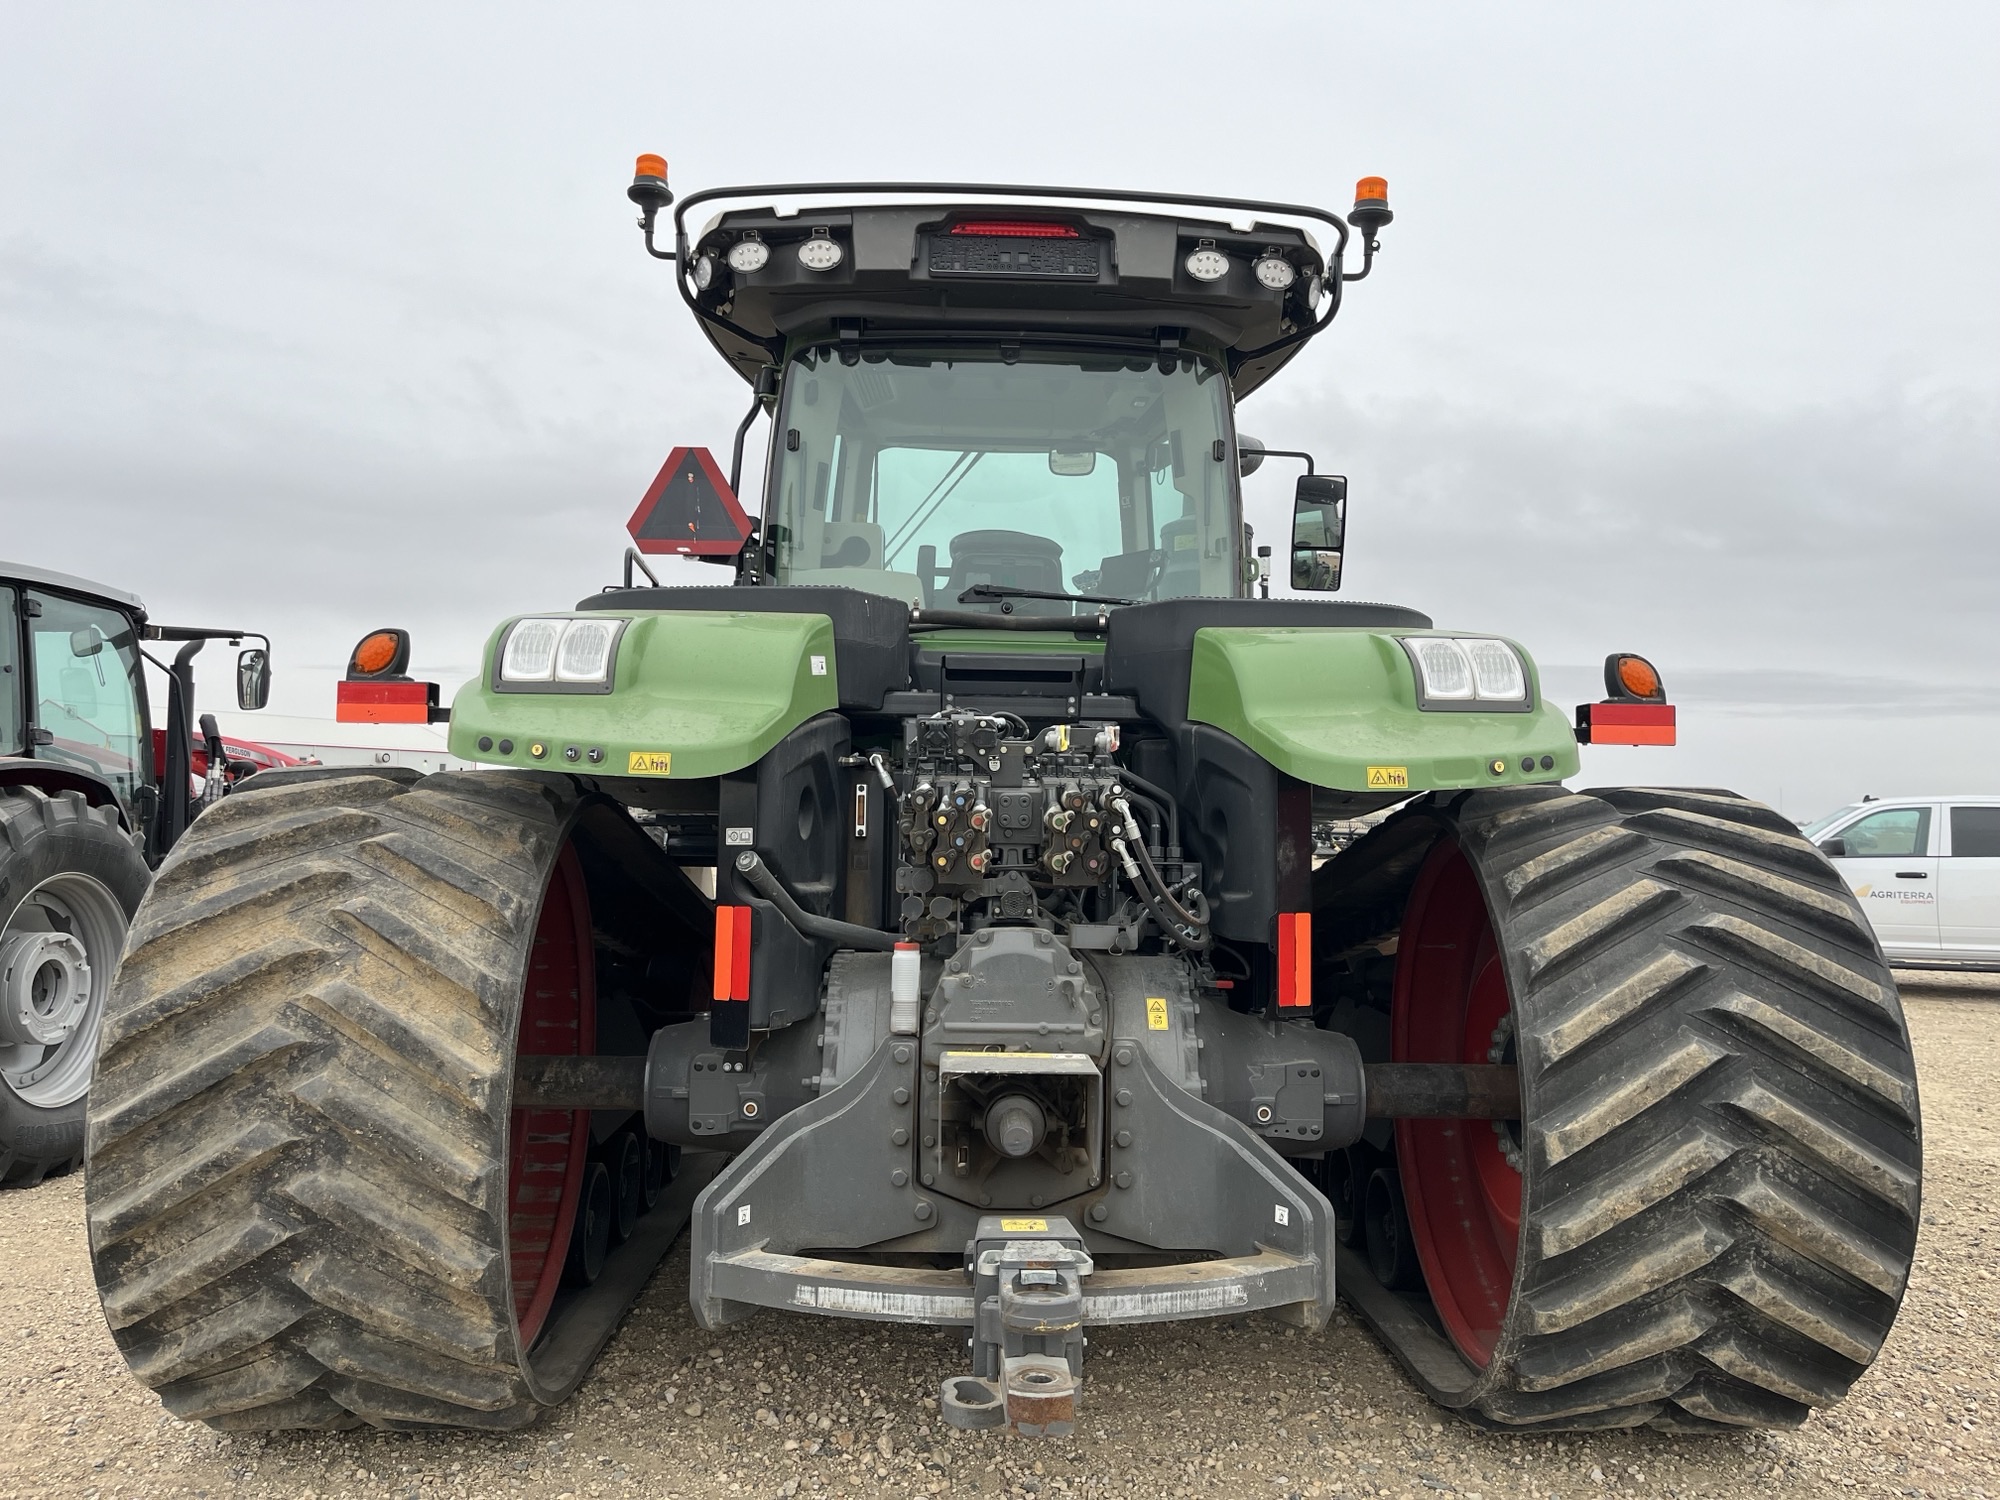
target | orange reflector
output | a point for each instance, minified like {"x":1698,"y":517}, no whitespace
{"x":1637,"y":676}
{"x":384,"y":702}
{"x":1625,"y":724}
{"x":732,"y":953}
{"x":1375,"y":188}
{"x":651,"y":166}
{"x":1295,"y":960}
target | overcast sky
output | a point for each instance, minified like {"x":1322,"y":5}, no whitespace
{"x":1686,"y":338}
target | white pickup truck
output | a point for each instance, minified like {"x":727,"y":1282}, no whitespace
{"x":1927,"y":870}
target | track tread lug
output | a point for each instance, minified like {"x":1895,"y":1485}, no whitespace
{"x":1721,"y":1113}
{"x":295,"y":1196}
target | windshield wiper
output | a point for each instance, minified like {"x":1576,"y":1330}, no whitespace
{"x":987,"y":592}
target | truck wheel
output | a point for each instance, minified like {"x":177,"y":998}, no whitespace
{"x":70,"y":880}
{"x":1706,"y":1216}
{"x":310,"y":1203}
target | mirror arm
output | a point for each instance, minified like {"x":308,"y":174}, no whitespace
{"x":1291,"y":453}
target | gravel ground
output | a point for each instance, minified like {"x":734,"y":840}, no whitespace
{"x":794,"y":1406}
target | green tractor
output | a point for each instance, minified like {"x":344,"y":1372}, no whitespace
{"x":944,"y":886}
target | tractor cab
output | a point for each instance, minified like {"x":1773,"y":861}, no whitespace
{"x":1024,"y":407}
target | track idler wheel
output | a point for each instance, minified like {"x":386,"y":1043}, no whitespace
{"x":1392,"y":1251}
{"x":1705,"y":1215}
{"x":310,"y":1201}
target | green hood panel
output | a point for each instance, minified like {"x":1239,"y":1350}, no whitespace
{"x":712,"y":692}
{"x":1327,"y":706}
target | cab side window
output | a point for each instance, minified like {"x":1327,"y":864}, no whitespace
{"x":1975,"y":832}
{"x":86,"y":688}
{"x":13,"y":723}
{"x":1895,"y":832}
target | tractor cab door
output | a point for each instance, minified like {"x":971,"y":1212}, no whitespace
{"x":13,"y":712}
{"x":85,"y":698}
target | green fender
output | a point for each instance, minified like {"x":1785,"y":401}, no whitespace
{"x":694,"y":694}
{"x":1338,"y":708}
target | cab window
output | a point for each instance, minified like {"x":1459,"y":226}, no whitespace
{"x":922,"y":473}
{"x":1975,"y":832}
{"x":1895,"y":832}
{"x":86,"y":691}
{"x":12,"y":721}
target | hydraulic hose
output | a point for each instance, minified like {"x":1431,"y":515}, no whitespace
{"x":1145,"y":859}
{"x":1155,"y":795}
{"x":846,"y":934}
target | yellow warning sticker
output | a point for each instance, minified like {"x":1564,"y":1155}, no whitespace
{"x":1024,"y":1226}
{"x":655,"y":763}
{"x":1388,"y":778}
{"x":1156,"y":1012}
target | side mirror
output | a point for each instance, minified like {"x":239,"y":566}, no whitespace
{"x":1835,"y":848}
{"x":1319,"y":530}
{"x":253,"y":679}
{"x":1072,"y":465}
{"x":87,"y":641}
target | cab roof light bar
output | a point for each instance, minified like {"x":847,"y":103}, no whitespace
{"x":650,"y":193}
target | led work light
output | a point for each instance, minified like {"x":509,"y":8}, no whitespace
{"x":560,"y":652}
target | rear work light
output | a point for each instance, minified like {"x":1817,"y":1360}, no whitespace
{"x":1016,"y":229}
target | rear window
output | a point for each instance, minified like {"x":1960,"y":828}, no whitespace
{"x":1975,"y":832}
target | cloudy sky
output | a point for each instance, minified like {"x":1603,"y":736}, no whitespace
{"x":1686,"y":338}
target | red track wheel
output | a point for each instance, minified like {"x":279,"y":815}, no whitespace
{"x":1461,"y":1179}
{"x":546,"y":1148}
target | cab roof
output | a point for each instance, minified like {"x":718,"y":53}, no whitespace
{"x":69,"y":583}
{"x":942,"y":261}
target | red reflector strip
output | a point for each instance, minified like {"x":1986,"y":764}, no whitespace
{"x":1628,"y":723}
{"x":732,"y":953}
{"x":1295,"y":960}
{"x":383,"y":702}
{"x":1016,"y":229}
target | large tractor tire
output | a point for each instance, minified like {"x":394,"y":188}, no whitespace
{"x":310,"y":1201}
{"x":1705,"y":1217}
{"x":70,"y":879}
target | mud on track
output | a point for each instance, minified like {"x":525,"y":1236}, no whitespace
{"x":796,"y":1406}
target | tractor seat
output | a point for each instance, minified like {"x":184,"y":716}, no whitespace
{"x":1017,"y":559}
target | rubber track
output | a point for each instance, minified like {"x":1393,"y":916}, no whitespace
{"x":1721,"y":1186}
{"x":297,"y":1138}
